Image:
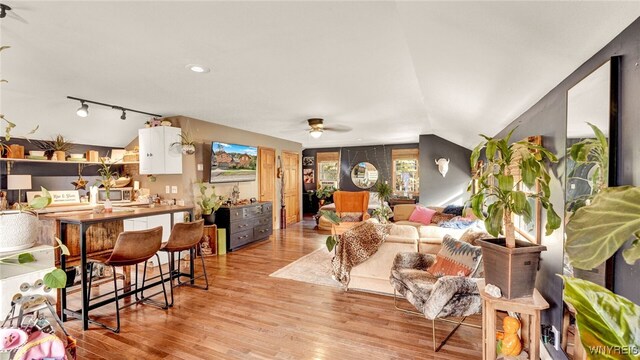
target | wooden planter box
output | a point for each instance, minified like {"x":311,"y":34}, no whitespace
{"x":512,"y":270}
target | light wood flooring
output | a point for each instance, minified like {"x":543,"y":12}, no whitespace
{"x":248,"y":315}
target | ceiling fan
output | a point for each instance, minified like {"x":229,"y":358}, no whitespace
{"x":8,"y":10}
{"x":316,"y":128}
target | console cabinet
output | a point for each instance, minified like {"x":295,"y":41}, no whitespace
{"x":245,"y":223}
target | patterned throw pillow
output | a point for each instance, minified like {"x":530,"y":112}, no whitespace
{"x":351,"y":216}
{"x":456,"y":258}
{"x":440,"y":217}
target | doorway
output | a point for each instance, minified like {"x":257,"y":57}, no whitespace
{"x":292,"y":179}
{"x":267,"y":178}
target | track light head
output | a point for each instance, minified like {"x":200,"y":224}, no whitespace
{"x":83,"y":110}
{"x":124,"y":115}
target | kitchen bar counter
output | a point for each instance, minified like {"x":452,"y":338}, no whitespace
{"x":82,"y":221}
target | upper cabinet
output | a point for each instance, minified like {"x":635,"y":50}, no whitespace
{"x":157,"y":156}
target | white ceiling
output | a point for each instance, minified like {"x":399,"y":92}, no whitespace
{"x":389,"y":70}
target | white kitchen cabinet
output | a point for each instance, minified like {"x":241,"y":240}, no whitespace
{"x":157,"y":156}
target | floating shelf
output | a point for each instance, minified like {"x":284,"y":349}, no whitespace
{"x":68,"y":162}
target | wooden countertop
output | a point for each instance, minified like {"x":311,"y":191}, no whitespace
{"x":119,"y":213}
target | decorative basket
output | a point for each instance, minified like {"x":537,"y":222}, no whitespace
{"x":18,"y":230}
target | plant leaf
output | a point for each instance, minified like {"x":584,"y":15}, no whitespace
{"x":604,"y":319}
{"x":519,"y":200}
{"x":595,"y":232}
{"x":26,"y":258}
{"x":331,"y":216}
{"x":553,"y":220}
{"x":632,"y":253}
{"x":42,"y":201}
{"x":63,"y":248}
{"x":56,"y":279}
{"x":505,"y":182}
{"x":331,"y":243}
{"x":475,"y":155}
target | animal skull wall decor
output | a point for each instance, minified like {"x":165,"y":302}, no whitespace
{"x":443,"y":166}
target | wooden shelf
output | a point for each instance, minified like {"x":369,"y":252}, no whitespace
{"x":68,"y":162}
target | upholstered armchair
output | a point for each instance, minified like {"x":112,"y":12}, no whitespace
{"x":351,"y":207}
{"x":436,"y":298}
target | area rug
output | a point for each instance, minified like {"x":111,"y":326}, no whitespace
{"x":314,"y":268}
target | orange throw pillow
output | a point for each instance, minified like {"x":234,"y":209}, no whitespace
{"x":456,"y":258}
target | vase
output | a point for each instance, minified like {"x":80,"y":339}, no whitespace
{"x":18,"y":230}
{"x":188,"y":149}
{"x":59,"y":156}
{"x":108,"y":207}
{"x":209,"y":219}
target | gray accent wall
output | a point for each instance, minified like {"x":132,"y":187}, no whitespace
{"x":436,"y":190}
{"x":548,"y":118}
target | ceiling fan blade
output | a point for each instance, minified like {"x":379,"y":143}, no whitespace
{"x":338,"y":128}
{"x":12,"y":14}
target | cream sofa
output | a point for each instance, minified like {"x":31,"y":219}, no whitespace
{"x":373,"y":274}
{"x":430,"y":236}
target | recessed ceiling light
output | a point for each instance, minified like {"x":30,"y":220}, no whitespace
{"x":198,"y":68}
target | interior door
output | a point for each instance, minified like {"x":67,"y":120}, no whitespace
{"x":291,"y":169}
{"x":267,"y":177}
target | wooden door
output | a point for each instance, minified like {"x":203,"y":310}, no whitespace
{"x":267,"y":177}
{"x":291,"y":169}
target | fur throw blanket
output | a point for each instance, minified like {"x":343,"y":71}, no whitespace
{"x":355,"y":246}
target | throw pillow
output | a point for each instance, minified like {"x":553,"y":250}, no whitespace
{"x":453,"y":209}
{"x":351,"y":216}
{"x":440,"y":217}
{"x":456,"y":258}
{"x":471,"y":236}
{"x":422,"y":215}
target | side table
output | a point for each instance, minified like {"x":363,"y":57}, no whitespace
{"x":529,"y":310}
{"x":209,"y":242}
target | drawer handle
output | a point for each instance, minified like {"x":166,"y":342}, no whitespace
{"x":243,"y":237}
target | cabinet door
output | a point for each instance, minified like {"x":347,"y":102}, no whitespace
{"x":163,"y":220}
{"x":151,"y":143}
{"x":172,"y":154}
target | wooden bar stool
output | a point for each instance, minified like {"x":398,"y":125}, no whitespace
{"x":131,"y":248}
{"x":185,"y":236}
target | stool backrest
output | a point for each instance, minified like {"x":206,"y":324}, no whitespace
{"x":185,"y":236}
{"x":134,"y":247}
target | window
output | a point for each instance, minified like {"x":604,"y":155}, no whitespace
{"x":328,"y":168}
{"x":405,"y":172}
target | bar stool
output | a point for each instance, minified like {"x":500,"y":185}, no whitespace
{"x":185,"y":236}
{"x":131,"y":248}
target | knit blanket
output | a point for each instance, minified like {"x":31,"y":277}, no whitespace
{"x":356,"y":245}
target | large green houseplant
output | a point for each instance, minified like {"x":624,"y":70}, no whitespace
{"x":324,"y":193}
{"x":509,"y":169}
{"x":609,"y":324}
{"x":209,"y":203}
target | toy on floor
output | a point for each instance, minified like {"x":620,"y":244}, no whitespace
{"x":509,"y":343}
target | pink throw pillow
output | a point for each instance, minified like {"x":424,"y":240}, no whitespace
{"x":422,"y":215}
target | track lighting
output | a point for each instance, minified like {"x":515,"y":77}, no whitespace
{"x":83,"y":110}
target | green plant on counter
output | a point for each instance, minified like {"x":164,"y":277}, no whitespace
{"x":55,"y":279}
{"x":608,"y":323}
{"x":383,"y":191}
{"x":107,"y":177}
{"x":332,"y":240}
{"x":501,"y":193}
{"x":593,"y":152}
{"x":209,"y":203}
{"x":325,"y":192}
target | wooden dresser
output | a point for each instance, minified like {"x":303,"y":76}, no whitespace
{"x":245,"y":223}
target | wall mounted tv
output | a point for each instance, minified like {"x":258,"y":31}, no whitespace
{"x":232,"y":162}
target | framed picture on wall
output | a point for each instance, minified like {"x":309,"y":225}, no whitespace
{"x":308,"y":176}
{"x":308,"y":161}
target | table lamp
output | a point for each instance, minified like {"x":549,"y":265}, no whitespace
{"x":19,"y":182}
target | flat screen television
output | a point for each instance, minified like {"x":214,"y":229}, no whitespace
{"x":233,"y":162}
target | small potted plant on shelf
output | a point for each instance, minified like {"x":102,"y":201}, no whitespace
{"x":324,"y":193}
{"x":188,"y":146}
{"x":210,"y":203}
{"x":56,"y":148}
{"x":513,"y":263}
{"x":107,"y":180}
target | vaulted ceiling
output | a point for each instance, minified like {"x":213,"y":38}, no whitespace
{"x":389,"y":71}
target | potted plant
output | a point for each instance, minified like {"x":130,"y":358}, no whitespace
{"x":209,"y":204}
{"x":324,"y":193}
{"x":607,"y":322}
{"x":383,"y":192}
{"x":56,"y":148}
{"x":188,"y":146}
{"x":513,"y":263}
{"x":107,"y":180}
{"x":19,"y":228}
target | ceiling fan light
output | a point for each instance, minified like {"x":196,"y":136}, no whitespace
{"x":83,"y":110}
{"x":315,"y":133}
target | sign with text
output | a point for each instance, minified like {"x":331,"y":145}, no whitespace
{"x":58,"y":197}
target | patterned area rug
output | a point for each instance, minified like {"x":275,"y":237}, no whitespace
{"x":314,"y":268}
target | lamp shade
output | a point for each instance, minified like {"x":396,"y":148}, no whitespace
{"x":18,"y":182}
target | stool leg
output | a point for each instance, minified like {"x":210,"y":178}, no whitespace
{"x":90,"y":281}
{"x":164,"y":289}
{"x":115,"y":293}
{"x":136,"y":294}
{"x":204,"y":268}
{"x":172,"y":270}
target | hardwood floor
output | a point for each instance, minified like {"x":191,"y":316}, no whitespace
{"x":248,"y":315}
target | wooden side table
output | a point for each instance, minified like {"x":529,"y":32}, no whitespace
{"x":529,"y":310}
{"x":210,"y":237}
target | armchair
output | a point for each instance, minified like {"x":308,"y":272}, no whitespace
{"x":435,"y":298}
{"x":351,"y":207}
